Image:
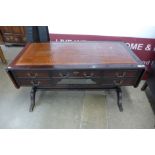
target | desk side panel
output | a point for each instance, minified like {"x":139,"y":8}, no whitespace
{"x":141,"y":73}
{"x":12,"y":78}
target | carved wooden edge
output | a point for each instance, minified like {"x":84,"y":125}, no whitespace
{"x":76,"y":67}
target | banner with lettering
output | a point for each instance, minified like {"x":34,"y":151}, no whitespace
{"x":144,"y":48}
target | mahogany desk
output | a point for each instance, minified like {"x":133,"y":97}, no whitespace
{"x":105,"y":64}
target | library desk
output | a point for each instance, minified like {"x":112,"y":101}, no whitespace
{"x":86,"y":65}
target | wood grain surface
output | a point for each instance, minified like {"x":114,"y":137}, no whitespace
{"x":74,"y":53}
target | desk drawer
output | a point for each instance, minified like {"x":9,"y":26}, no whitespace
{"x":37,"y":82}
{"x":31,"y":74}
{"x":57,"y":74}
{"x":94,"y":74}
{"x":120,"y":73}
{"x":116,"y":81}
{"x":97,"y":82}
{"x":76,"y":74}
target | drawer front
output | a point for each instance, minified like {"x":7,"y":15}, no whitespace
{"x":95,"y":73}
{"x":8,"y":38}
{"x":31,"y":74}
{"x":116,"y":81}
{"x":37,"y":82}
{"x":121,"y":73}
{"x":98,"y":82}
{"x":76,"y":74}
{"x":57,"y":74}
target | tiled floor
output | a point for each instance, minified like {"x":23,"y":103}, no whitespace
{"x":70,"y":109}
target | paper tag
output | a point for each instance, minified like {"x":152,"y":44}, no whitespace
{"x":140,"y":65}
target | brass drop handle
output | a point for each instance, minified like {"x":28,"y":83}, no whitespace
{"x":88,"y":75}
{"x":120,"y":75}
{"x":75,"y":72}
{"x":35,"y":83}
{"x":64,"y":74}
{"x":32,"y":75}
{"x":116,"y":82}
{"x":29,"y":74}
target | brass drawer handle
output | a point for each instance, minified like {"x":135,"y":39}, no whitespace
{"x":120,"y":75}
{"x":75,"y":73}
{"x":88,"y":75}
{"x":32,"y":75}
{"x":35,"y":83}
{"x":29,"y":74}
{"x":64,"y":75}
{"x":116,"y":82}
